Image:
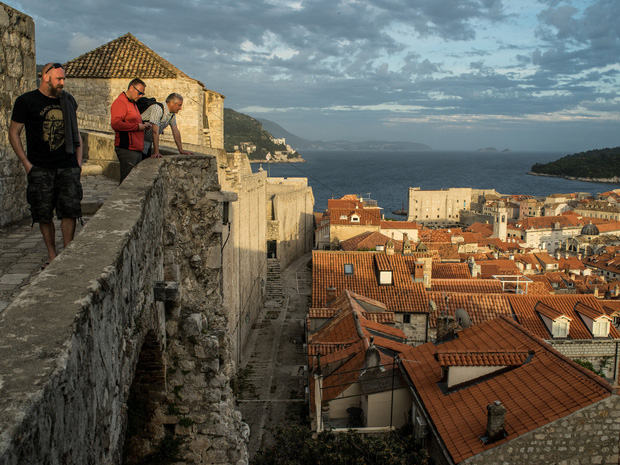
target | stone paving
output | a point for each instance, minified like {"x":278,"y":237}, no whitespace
{"x":272,"y":388}
{"x":22,"y":252}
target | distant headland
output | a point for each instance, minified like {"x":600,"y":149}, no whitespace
{"x":598,"y":165}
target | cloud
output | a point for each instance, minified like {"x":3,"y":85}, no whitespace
{"x":378,"y":63}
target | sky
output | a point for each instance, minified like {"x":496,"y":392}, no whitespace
{"x":523,"y":75}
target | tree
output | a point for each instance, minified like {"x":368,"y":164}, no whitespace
{"x":297,"y":446}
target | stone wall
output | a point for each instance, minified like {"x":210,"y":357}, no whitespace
{"x":244,"y":255}
{"x":588,"y":436}
{"x":201,"y":121}
{"x":291,"y":203}
{"x":17,"y":75}
{"x":72,"y":340}
{"x":603,"y":354}
{"x":98,"y":149}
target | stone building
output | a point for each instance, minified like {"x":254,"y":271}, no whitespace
{"x":96,"y":78}
{"x":438,"y":207}
{"x":397,"y":280}
{"x":17,"y":75}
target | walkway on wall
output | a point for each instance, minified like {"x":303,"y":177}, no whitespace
{"x":22,"y":252}
{"x":271,"y":380}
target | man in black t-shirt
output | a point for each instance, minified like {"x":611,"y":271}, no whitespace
{"x":54,"y":159}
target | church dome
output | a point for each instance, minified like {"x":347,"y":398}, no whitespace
{"x":590,"y":230}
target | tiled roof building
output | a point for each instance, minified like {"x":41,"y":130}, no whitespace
{"x":396,"y":280}
{"x":96,"y":78}
{"x":529,"y":387}
{"x":351,"y":360}
{"x":575,"y":325}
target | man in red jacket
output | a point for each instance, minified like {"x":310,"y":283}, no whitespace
{"x":128,"y":127}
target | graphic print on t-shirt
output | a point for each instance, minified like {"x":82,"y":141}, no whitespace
{"x":54,"y":128}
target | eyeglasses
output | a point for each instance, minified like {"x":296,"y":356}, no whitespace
{"x":54,"y":66}
{"x":139,"y":93}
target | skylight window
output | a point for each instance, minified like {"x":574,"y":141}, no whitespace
{"x":348,"y":269}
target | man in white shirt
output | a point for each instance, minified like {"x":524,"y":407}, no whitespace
{"x":160,"y":117}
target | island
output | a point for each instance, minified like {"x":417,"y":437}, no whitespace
{"x":598,"y":165}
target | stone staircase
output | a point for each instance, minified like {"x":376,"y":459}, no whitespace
{"x":273,"y":288}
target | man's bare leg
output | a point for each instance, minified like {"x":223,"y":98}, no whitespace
{"x":67,"y":226}
{"x":49,"y":237}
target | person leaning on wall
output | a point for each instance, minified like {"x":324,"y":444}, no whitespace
{"x":160,"y":117}
{"x":128,"y":127}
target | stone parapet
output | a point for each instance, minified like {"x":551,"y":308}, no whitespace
{"x":74,"y":340}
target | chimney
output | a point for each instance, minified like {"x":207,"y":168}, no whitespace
{"x":372,"y":362}
{"x":389,"y":247}
{"x":331,"y":294}
{"x":616,"y":290}
{"x":496,"y":422}
{"x":445,"y":327}
{"x":596,"y":291}
{"x":406,"y":244}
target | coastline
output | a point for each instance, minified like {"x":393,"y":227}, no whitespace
{"x":614,"y":180}
{"x":294,"y":160}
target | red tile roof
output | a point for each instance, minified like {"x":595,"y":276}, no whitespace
{"x":527,"y":309}
{"x":367,"y":216}
{"x":329,"y":280}
{"x":472,"y":358}
{"x":369,"y":241}
{"x":547,"y":222}
{"x":485,"y":230}
{"x":477,"y":286}
{"x":535,"y":393}
{"x":400,"y":225}
{"x":445,"y":251}
{"x":490,"y":268}
{"x":124,"y":57}
{"x":479,"y":307}
{"x":451,"y":271}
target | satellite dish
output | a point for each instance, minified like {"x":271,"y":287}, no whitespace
{"x":463,"y":318}
{"x":432,"y":305}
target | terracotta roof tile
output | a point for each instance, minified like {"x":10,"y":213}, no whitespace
{"x":481,"y":358}
{"x":124,"y":57}
{"x":527,"y":309}
{"x":451,"y":271}
{"x":345,"y":216}
{"x":547,"y":387}
{"x":478,"y":286}
{"x":479,"y":307}
{"x":329,"y":280}
{"x":369,"y":241}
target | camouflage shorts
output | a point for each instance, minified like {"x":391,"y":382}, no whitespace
{"x":58,"y":189}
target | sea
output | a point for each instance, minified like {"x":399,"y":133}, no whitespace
{"x":387,"y":176}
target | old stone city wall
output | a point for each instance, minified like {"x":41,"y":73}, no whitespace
{"x":245,"y":261}
{"x":290,"y":210}
{"x":73,"y":340}
{"x":17,"y":75}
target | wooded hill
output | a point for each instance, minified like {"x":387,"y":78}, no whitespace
{"x":240,"y":128}
{"x":594,"y":164}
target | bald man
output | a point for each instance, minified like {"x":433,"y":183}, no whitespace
{"x":54,"y":159}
